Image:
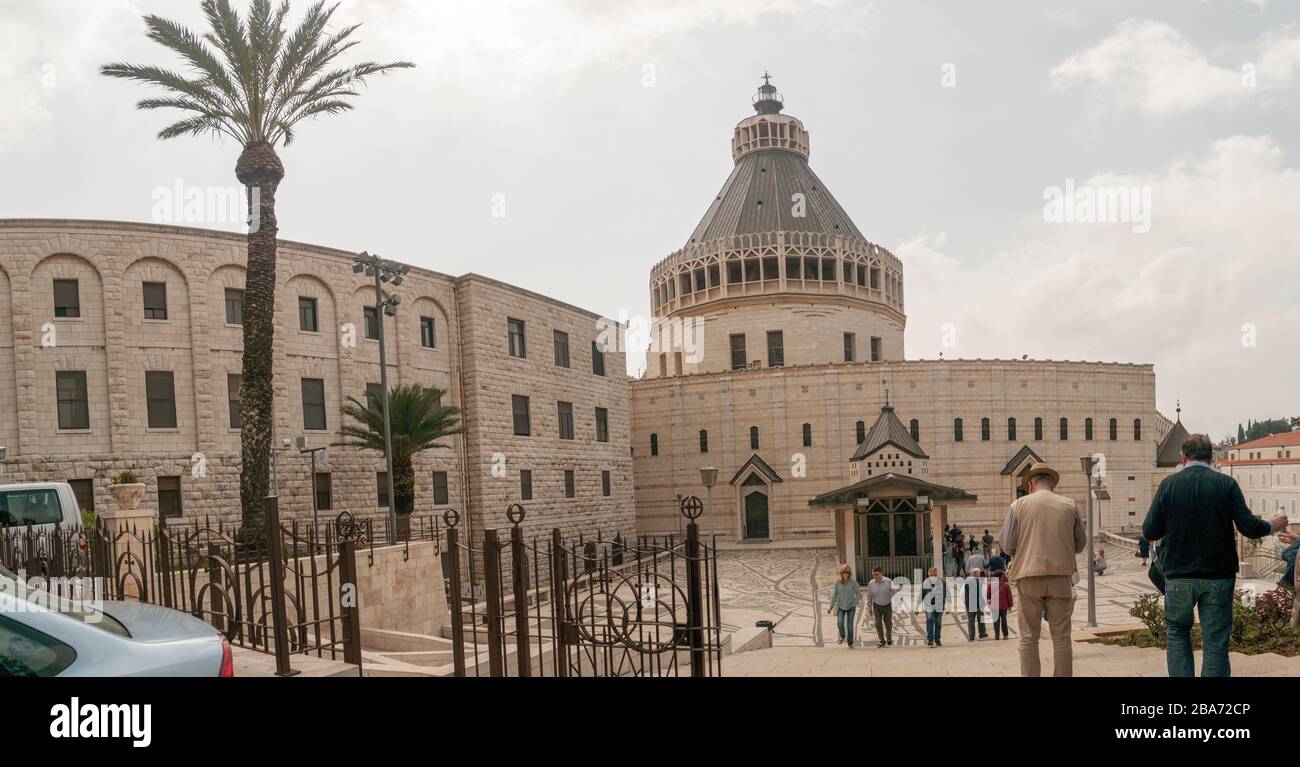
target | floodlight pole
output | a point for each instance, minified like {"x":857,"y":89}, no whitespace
{"x":1087,"y":462}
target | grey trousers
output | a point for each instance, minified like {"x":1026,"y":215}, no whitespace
{"x":884,"y":621}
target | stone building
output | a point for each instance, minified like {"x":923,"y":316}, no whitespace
{"x":120,"y":349}
{"x":1267,"y":469}
{"x":780,"y":339}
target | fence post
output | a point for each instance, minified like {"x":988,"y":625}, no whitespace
{"x":349,"y":607}
{"x":164,"y":542}
{"x":694,"y":599}
{"x":519,"y":564}
{"x":275,"y":563}
{"x":457,"y":613}
{"x":559,"y":610}
{"x":492,"y":585}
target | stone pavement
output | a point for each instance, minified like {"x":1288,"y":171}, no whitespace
{"x":791,"y":587}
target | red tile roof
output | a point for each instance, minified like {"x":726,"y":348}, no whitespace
{"x":1273,"y":440}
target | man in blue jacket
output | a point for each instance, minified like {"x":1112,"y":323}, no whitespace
{"x":1192,"y":515}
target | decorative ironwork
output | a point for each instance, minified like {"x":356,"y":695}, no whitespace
{"x":515,"y":513}
{"x":692,"y":507}
{"x":451,"y":518}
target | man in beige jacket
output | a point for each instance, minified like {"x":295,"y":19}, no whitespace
{"x":1043,"y":532}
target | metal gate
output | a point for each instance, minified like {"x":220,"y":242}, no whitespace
{"x":548,"y":607}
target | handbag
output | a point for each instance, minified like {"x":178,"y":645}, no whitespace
{"x":1156,"y":572}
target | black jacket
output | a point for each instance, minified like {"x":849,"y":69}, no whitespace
{"x":1192,"y":515}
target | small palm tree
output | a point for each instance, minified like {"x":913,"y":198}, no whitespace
{"x":419,"y":420}
{"x":254,"y":81}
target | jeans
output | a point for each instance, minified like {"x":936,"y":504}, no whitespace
{"x":1288,"y":556}
{"x":976,"y":618}
{"x":1212,"y":598}
{"x":884,"y":622}
{"x":1000,"y":623}
{"x":933,"y":625}
{"x":845,"y":623}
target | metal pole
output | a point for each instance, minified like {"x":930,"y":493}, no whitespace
{"x":315,"y":517}
{"x":383,"y":382}
{"x":713,"y":519}
{"x":1092,"y":573}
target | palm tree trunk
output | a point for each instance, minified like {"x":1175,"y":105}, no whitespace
{"x":404,"y":484}
{"x":259,"y":170}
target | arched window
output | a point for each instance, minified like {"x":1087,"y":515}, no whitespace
{"x":1038,"y":428}
{"x":1114,"y":429}
{"x":1137,"y":429}
{"x":956,"y":430}
{"x":862,"y":432}
{"x":1065,"y":429}
{"x":704,"y":440}
{"x":1011,"y":429}
{"x":1087,"y":429}
{"x":916,"y":430}
{"x":984,"y":429}
{"x":654,"y":444}
{"x":807,"y":435}
{"x":753,"y":438}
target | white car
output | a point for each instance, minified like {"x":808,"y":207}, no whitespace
{"x":39,"y":504}
{"x":43,"y":636}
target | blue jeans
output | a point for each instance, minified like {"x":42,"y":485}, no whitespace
{"x":933,"y":625}
{"x":845,"y":622}
{"x":1212,"y":598}
{"x":1288,"y":555}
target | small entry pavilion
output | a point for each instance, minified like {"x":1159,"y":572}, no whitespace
{"x":891,"y":516}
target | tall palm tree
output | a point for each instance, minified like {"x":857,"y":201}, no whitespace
{"x":252,"y":80}
{"x":419,"y":420}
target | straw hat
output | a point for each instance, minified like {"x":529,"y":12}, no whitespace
{"x":1039,"y":469}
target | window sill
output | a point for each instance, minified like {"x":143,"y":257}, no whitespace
{"x":75,"y":432}
{"x":162,"y":430}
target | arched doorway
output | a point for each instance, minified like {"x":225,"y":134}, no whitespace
{"x":756,"y":507}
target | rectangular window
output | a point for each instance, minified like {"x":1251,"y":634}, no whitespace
{"x":515,"y":333}
{"x":569,"y":490}
{"x":875,"y":278}
{"x":850,"y":346}
{"x":440,"y":494}
{"x":876,"y":354}
{"x":307,"y":319}
{"x":733,"y":272}
{"x":704,"y":440}
{"x":602,"y":425}
{"x":169,"y":498}
{"x":313,"y":404}
{"x":234,"y":306}
{"x":561,"y":349}
{"x":828,"y":269}
{"x":775,"y":349}
{"x":525,"y":484}
{"x":738,"y":361}
{"x":160,"y":399}
{"x":428,"y":336}
{"x":597,"y":359}
{"x":519,"y":408}
{"x":381,"y":489}
{"x":84,"y":491}
{"x":233,"y":382}
{"x":155,"y":300}
{"x":70,"y":389}
{"x":324,"y":491}
{"x":371,"y":315}
{"x":604,"y":483}
{"x":67,"y":298}
{"x":565,"y":414}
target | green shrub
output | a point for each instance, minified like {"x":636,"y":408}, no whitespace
{"x":124,"y":478}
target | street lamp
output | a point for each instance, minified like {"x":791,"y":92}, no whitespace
{"x":384,"y":271}
{"x":709,"y":477}
{"x":303,"y":448}
{"x":1086,"y":463}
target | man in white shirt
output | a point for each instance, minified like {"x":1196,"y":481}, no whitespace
{"x":880,"y":599}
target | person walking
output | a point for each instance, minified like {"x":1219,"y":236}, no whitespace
{"x":1144,"y":550}
{"x":880,"y":593}
{"x":934,"y":601}
{"x":976,"y":561}
{"x":973,"y":596}
{"x":987,"y":544}
{"x":960,"y":556}
{"x":997,"y":564}
{"x":1043,"y":533}
{"x":845,"y":598}
{"x":998,"y":592}
{"x":1192,"y":516}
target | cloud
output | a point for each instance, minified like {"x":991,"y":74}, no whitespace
{"x":1220,"y":256}
{"x":1148,"y":66}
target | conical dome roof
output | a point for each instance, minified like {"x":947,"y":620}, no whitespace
{"x":771,"y":154}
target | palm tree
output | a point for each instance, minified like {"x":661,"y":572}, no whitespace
{"x":252,"y":80}
{"x":419,"y":420}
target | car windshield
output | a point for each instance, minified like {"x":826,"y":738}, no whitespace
{"x":34,"y":507}
{"x":85,"y":611}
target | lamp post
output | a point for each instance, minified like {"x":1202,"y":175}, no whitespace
{"x":384,"y":271}
{"x":1086,"y":463}
{"x":709,"y":476}
{"x":315,"y":504}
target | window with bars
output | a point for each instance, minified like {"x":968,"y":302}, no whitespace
{"x":313,"y":404}
{"x":569,"y":485}
{"x":170,"y":503}
{"x":602,"y":425}
{"x":515,"y":336}
{"x":440,"y":492}
{"x":561,"y":349}
{"x":850,"y":346}
{"x":308,"y":320}
{"x":604,"y":483}
{"x":519,"y":411}
{"x":324,"y":491}
{"x":526,"y":484}
{"x":564,"y":413}
{"x":775,"y":349}
{"x":738,"y":361}
{"x":233,"y":383}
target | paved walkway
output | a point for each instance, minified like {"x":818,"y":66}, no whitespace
{"x":791,"y":587}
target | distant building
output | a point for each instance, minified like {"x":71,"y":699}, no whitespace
{"x":1267,"y":470}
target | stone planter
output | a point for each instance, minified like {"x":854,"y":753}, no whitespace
{"x":127,"y":497}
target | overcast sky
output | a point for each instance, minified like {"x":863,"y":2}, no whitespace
{"x":601,"y":129}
